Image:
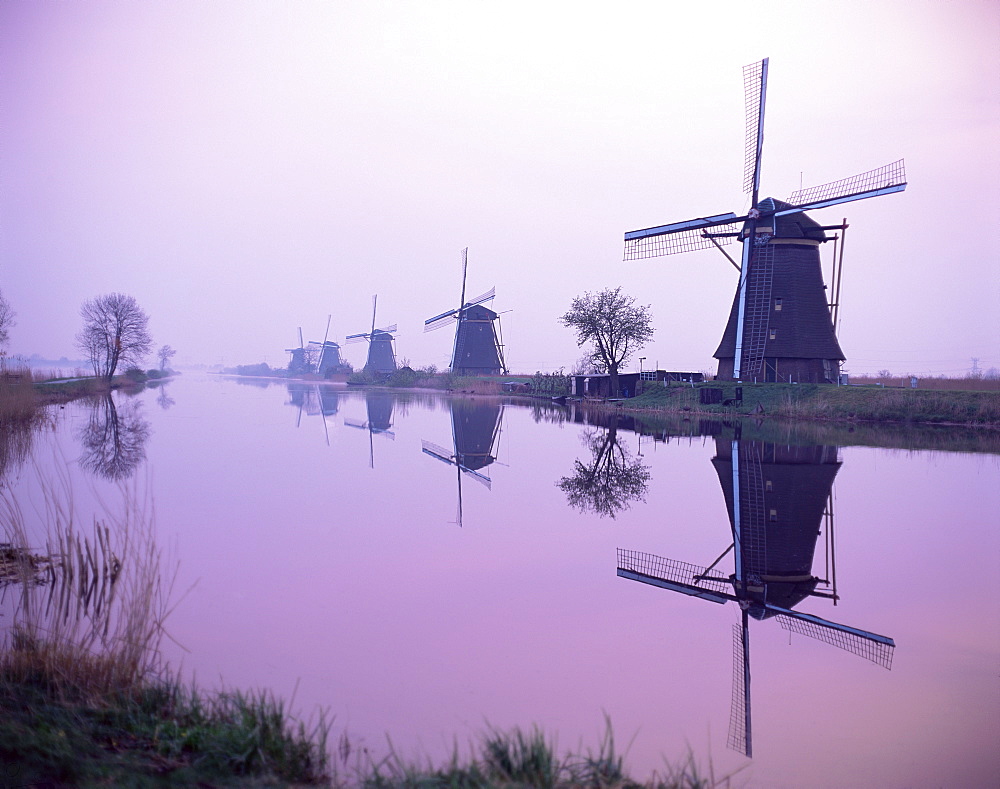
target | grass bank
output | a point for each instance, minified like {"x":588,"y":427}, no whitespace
{"x":824,"y":402}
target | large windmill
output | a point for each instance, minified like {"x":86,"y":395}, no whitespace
{"x":777,"y":497}
{"x":475,"y":430}
{"x":779,"y":327}
{"x":381,"y":358}
{"x":478,"y":348}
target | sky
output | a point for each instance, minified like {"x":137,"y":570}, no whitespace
{"x":244,"y":169}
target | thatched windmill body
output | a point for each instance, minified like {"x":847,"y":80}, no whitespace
{"x":478,"y":348}
{"x":780,"y":326}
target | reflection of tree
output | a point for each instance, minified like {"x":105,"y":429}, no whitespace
{"x":163,"y":400}
{"x":114,"y":439}
{"x":611,"y":482}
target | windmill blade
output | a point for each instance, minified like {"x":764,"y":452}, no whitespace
{"x":689,"y":579}
{"x":387,"y":329}
{"x":350,"y":339}
{"x":755,"y":93}
{"x":680,"y":236}
{"x":871,"y":646}
{"x":482,"y":479}
{"x":883,"y":180}
{"x":739,"y":711}
{"x":490,"y":294}
{"x":440,"y":321}
{"x":355,"y":423}
{"x":438,"y":452}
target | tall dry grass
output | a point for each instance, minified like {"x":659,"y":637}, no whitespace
{"x":84,"y":601}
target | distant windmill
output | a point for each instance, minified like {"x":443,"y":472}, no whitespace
{"x":381,"y":357}
{"x":315,"y":357}
{"x":379,"y":407}
{"x":776,"y":497}
{"x":780,"y":327}
{"x":475,"y":431}
{"x":478,"y":348}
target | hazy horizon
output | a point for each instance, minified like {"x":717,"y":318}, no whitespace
{"x":246,"y":169}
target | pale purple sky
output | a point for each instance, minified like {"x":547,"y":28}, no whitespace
{"x":246,"y":168}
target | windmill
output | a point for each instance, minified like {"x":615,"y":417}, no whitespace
{"x":378,"y":406}
{"x":776,"y":497}
{"x":478,"y":348}
{"x":319,"y":357}
{"x":779,"y":328}
{"x":475,"y":429}
{"x":381,"y":358}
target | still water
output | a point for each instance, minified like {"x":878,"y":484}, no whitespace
{"x":424,"y":567}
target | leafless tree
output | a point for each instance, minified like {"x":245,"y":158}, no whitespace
{"x":114,"y":333}
{"x":165,"y":354}
{"x":7,"y":315}
{"x":613,"y":325}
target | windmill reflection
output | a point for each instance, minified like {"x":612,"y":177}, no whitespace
{"x":114,"y":438}
{"x":475,"y":430}
{"x":314,"y":400}
{"x":379,"y":407}
{"x":778,"y":497}
{"x":611,"y":479}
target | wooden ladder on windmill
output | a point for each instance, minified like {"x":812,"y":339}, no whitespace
{"x":757,"y":312}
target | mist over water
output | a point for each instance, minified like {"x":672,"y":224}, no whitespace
{"x":425,"y":566}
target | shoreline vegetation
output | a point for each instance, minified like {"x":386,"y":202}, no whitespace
{"x":958,"y":402}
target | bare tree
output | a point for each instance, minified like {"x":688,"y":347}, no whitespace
{"x":114,"y":333}
{"x":7,"y":315}
{"x":614,"y":326}
{"x":165,"y":354}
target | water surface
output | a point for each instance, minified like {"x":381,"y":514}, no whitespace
{"x":425,"y":566}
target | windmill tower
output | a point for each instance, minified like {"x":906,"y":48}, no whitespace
{"x":779,"y":326}
{"x":776,"y":497}
{"x":381,"y":358}
{"x":475,"y":430}
{"x":478,"y":348}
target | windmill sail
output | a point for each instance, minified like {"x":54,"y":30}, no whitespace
{"x":740,"y":737}
{"x":888,"y":179}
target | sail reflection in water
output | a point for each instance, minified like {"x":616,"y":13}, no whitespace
{"x":379,"y":407}
{"x":778,"y":497}
{"x":475,"y":431}
{"x":314,"y":400}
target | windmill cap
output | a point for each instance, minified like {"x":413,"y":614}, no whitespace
{"x":791,"y":226}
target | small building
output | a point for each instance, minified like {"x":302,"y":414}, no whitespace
{"x":629,"y":384}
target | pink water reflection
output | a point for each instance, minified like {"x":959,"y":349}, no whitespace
{"x":326,"y":561}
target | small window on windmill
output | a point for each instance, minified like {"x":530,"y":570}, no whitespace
{"x":772,"y":334}
{"x":777,"y":305}
{"x":772,"y":516}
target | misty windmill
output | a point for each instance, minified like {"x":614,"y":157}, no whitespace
{"x":782,"y":322}
{"x":322,"y":358}
{"x":381,"y":357}
{"x":778,"y":497}
{"x":478,"y":348}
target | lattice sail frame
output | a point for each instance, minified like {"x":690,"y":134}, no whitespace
{"x":738,"y":740}
{"x":672,"y":570}
{"x":889,"y":176}
{"x":754,"y":85}
{"x":870,"y":649}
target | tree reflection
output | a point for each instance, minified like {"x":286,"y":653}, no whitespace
{"x":611,"y":481}
{"x":114,"y":439}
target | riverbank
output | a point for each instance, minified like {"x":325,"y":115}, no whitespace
{"x":855,"y":404}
